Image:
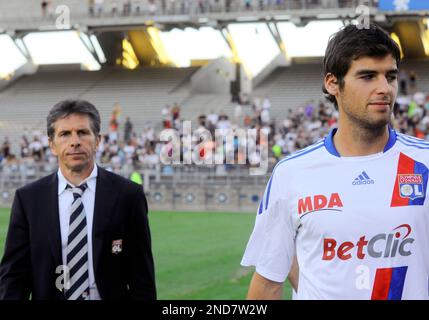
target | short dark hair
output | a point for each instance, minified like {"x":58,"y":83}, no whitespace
{"x":352,"y":43}
{"x":67,"y":107}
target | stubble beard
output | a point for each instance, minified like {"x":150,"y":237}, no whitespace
{"x":365,"y":126}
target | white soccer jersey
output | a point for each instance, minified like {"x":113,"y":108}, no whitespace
{"x":358,"y":225}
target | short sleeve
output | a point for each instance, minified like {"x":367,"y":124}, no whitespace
{"x":271,"y":247}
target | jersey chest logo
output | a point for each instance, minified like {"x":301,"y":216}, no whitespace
{"x":410,"y":183}
{"x":318,"y":203}
{"x":410,"y":186}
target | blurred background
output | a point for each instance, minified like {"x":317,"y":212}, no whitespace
{"x":149,"y":65}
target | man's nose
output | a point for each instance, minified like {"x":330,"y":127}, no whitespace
{"x":75,"y":140}
{"x":383,"y":85}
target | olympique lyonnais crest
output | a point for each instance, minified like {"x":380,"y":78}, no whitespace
{"x":411,"y":186}
{"x":116,"y":246}
{"x":410,"y":183}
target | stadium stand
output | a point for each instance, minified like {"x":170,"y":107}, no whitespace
{"x":159,"y":7}
{"x":421,"y":68}
{"x":197,"y":104}
{"x":285,"y":87}
{"x":141,"y":93}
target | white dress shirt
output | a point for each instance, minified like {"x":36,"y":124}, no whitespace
{"x":65,"y":199}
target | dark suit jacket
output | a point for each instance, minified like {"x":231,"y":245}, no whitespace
{"x":33,"y":245}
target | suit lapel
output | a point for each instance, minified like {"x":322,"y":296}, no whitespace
{"x":53,"y":221}
{"x":105,"y":198}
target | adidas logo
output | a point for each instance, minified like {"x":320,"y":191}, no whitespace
{"x":363,"y":178}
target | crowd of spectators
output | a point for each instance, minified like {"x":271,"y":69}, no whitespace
{"x":123,"y":146}
{"x":104,"y":8}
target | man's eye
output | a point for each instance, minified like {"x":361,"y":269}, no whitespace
{"x":392,"y":77}
{"x":368,"y":76}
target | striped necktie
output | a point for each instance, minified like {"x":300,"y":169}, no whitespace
{"x":77,"y":248}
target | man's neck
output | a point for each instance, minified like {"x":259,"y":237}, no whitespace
{"x":76,"y":177}
{"x":354,"y":142}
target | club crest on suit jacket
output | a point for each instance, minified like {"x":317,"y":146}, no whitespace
{"x":117,"y":246}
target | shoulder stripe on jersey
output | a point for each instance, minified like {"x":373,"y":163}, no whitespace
{"x":260,"y":207}
{"x":298,"y":153}
{"x":268,"y":190}
{"x":304,"y":151}
{"x":407,"y":143}
{"x":410,"y":136}
{"x":412,"y":143}
{"x":414,"y":140}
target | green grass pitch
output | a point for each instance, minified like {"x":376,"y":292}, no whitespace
{"x":197,"y":254}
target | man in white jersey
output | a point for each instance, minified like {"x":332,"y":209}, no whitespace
{"x":351,"y":207}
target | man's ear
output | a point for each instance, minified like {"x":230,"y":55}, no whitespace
{"x":97,"y":141}
{"x":331,"y":84}
{"x":52,"y":147}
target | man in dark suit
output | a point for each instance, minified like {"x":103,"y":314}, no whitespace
{"x":82,"y":232}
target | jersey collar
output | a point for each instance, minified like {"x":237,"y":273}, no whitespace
{"x":329,"y":142}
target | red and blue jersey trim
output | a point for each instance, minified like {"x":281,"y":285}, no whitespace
{"x":408,"y":166}
{"x":389,"y":283}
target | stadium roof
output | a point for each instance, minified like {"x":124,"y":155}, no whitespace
{"x":11,"y":57}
